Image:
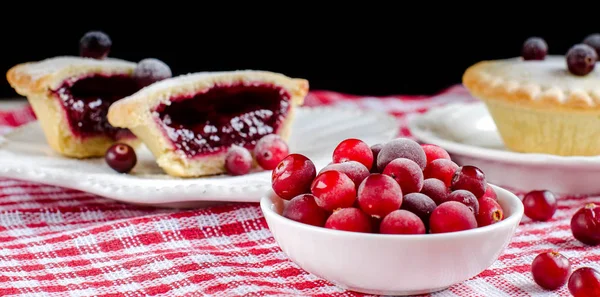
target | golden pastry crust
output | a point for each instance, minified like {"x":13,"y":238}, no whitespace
{"x":136,"y":113}
{"x":537,"y":84}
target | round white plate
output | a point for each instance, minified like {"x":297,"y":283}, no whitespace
{"x":468,"y":133}
{"x":25,"y":155}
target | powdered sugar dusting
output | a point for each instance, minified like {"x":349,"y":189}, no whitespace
{"x":401,"y":148}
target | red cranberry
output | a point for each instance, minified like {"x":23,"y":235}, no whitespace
{"x":353,"y":150}
{"x":379,"y":194}
{"x":238,"y":160}
{"x":469,"y":178}
{"x":465,"y":197}
{"x":401,"y":148}
{"x":376,"y":148}
{"x":489,"y":192}
{"x":333,"y":190}
{"x":407,"y":174}
{"x":581,"y":59}
{"x":584,"y":282}
{"x":401,"y":221}
{"x":585,"y":224}
{"x":349,"y":219}
{"x":95,"y":44}
{"x":270,"y":150}
{"x":451,"y":216}
{"x":540,"y":205}
{"x":436,"y":190}
{"x":550,"y":270}
{"x":434,"y":152}
{"x":357,"y":172}
{"x":121,"y":157}
{"x":304,"y":209}
{"x":442,"y":169}
{"x":534,"y":48}
{"x":593,"y":40}
{"x":293,"y":176}
{"x":150,"y":70}
{"x":490,"y":212}
{"x":419,"y":204}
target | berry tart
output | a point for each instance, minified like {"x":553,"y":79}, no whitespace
{"x":190,"y":122}
{"x":543,"y":103}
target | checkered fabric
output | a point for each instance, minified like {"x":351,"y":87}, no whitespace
{"x":61,"y":242}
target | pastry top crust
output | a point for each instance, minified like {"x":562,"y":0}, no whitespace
{"x":40,"y":76}
{"x":542,"y":83}
{"x":133,"y":110}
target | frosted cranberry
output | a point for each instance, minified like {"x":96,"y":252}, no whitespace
{"x":465,"y":197}
{"x":333,"y":190}
{"x":349,"y":219}
{"x":436,"y":190}
{"x":584,"y":282}
{"x":593,"y":40}
{"x":401,"y":148}
{"x":376,"y":148}
{"x":534,"y":48}
{"x":150,"y":70}
{"x":419,"y":204}
{"x":489,"y":192}
{"x":293,"y":176}
{"x":304,"y":209}
{"x":442,"y":169}
{"x":490,"y":212}
{"x":469,"y":178}
{"x":581,"y":59}
{"x":270,"y":150}
{"x":357,"y":172}
{"x":353,"y":150}
{"x":540,"y":205}
{"x":550,"y":270}
{"x":585,"y":224}
{"x":95,"y":44}
{"x":379,"y":194}
{"x":434,"y":152}
{"x":121,"y":157}
{"x":407,"y":174}
{"x":238,"y":160}
{"x":401,"y":221}
{"x":451,"y":216}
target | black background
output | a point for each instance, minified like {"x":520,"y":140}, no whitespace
{"x":366,"y":54}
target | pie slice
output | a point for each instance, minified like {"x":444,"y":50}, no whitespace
{"x":70,"y":97}
{"x":190,"y":121}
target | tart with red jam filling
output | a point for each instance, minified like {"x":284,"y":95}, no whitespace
{"x":189,"y":122}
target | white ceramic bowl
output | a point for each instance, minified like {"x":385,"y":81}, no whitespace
{"x":385,"y":264}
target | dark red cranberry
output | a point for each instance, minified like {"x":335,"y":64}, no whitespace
{"x":238,"y":160}
{"x":95,"y":44}
{"x":357,"y":172}
{"x":353,"y":150}
{"x":376,"y":148}
{"x":121,"y":157}
{"x":469,"y":178}
{"x":150,"y":70}
{"x":584,"y":282}
{"x":350,"y":219}
{"x":465,"y":197}
{"x":442,"y":169}
{"x":270,"y":150}
{"x":434,"y":152}
{"x":585,"y":224}
{"x":451,"y":216}
{"x":401,"y":221}
{"x":401,"y":148}
{"x":333,"y":190}
{"x":304,"y":209}
{"x":550,"y":270}
{"x":379,"y":194}
{"x":407,"y":174}
{"x":419,"y":204}
{"x":534,"y":48}
{"x":490,"y":212}
{"x":489,"y":192}
{"x":540,"y":205}
{"x":293,"y":176}
{"x":436,"y":190}
{"x":581,"y":59}
{"x":593,"y":40}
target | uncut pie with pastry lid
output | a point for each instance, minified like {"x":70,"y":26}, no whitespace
{"x":190,"y":121}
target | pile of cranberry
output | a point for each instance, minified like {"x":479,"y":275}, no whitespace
{"x":398,"y":187}
{"x":581,"y":58}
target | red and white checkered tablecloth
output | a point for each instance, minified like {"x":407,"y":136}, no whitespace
{"x":61,"y":242}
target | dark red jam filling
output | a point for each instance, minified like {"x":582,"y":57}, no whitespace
{"x":212,"y":121}
{"x":86,"y":101}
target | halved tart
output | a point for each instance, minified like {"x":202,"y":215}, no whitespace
{"x":70,"y":97}
{"x":190,"y":121}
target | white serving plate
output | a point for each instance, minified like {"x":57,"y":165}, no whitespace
{"x":25,"y":155}
{"x":468,"y":133}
